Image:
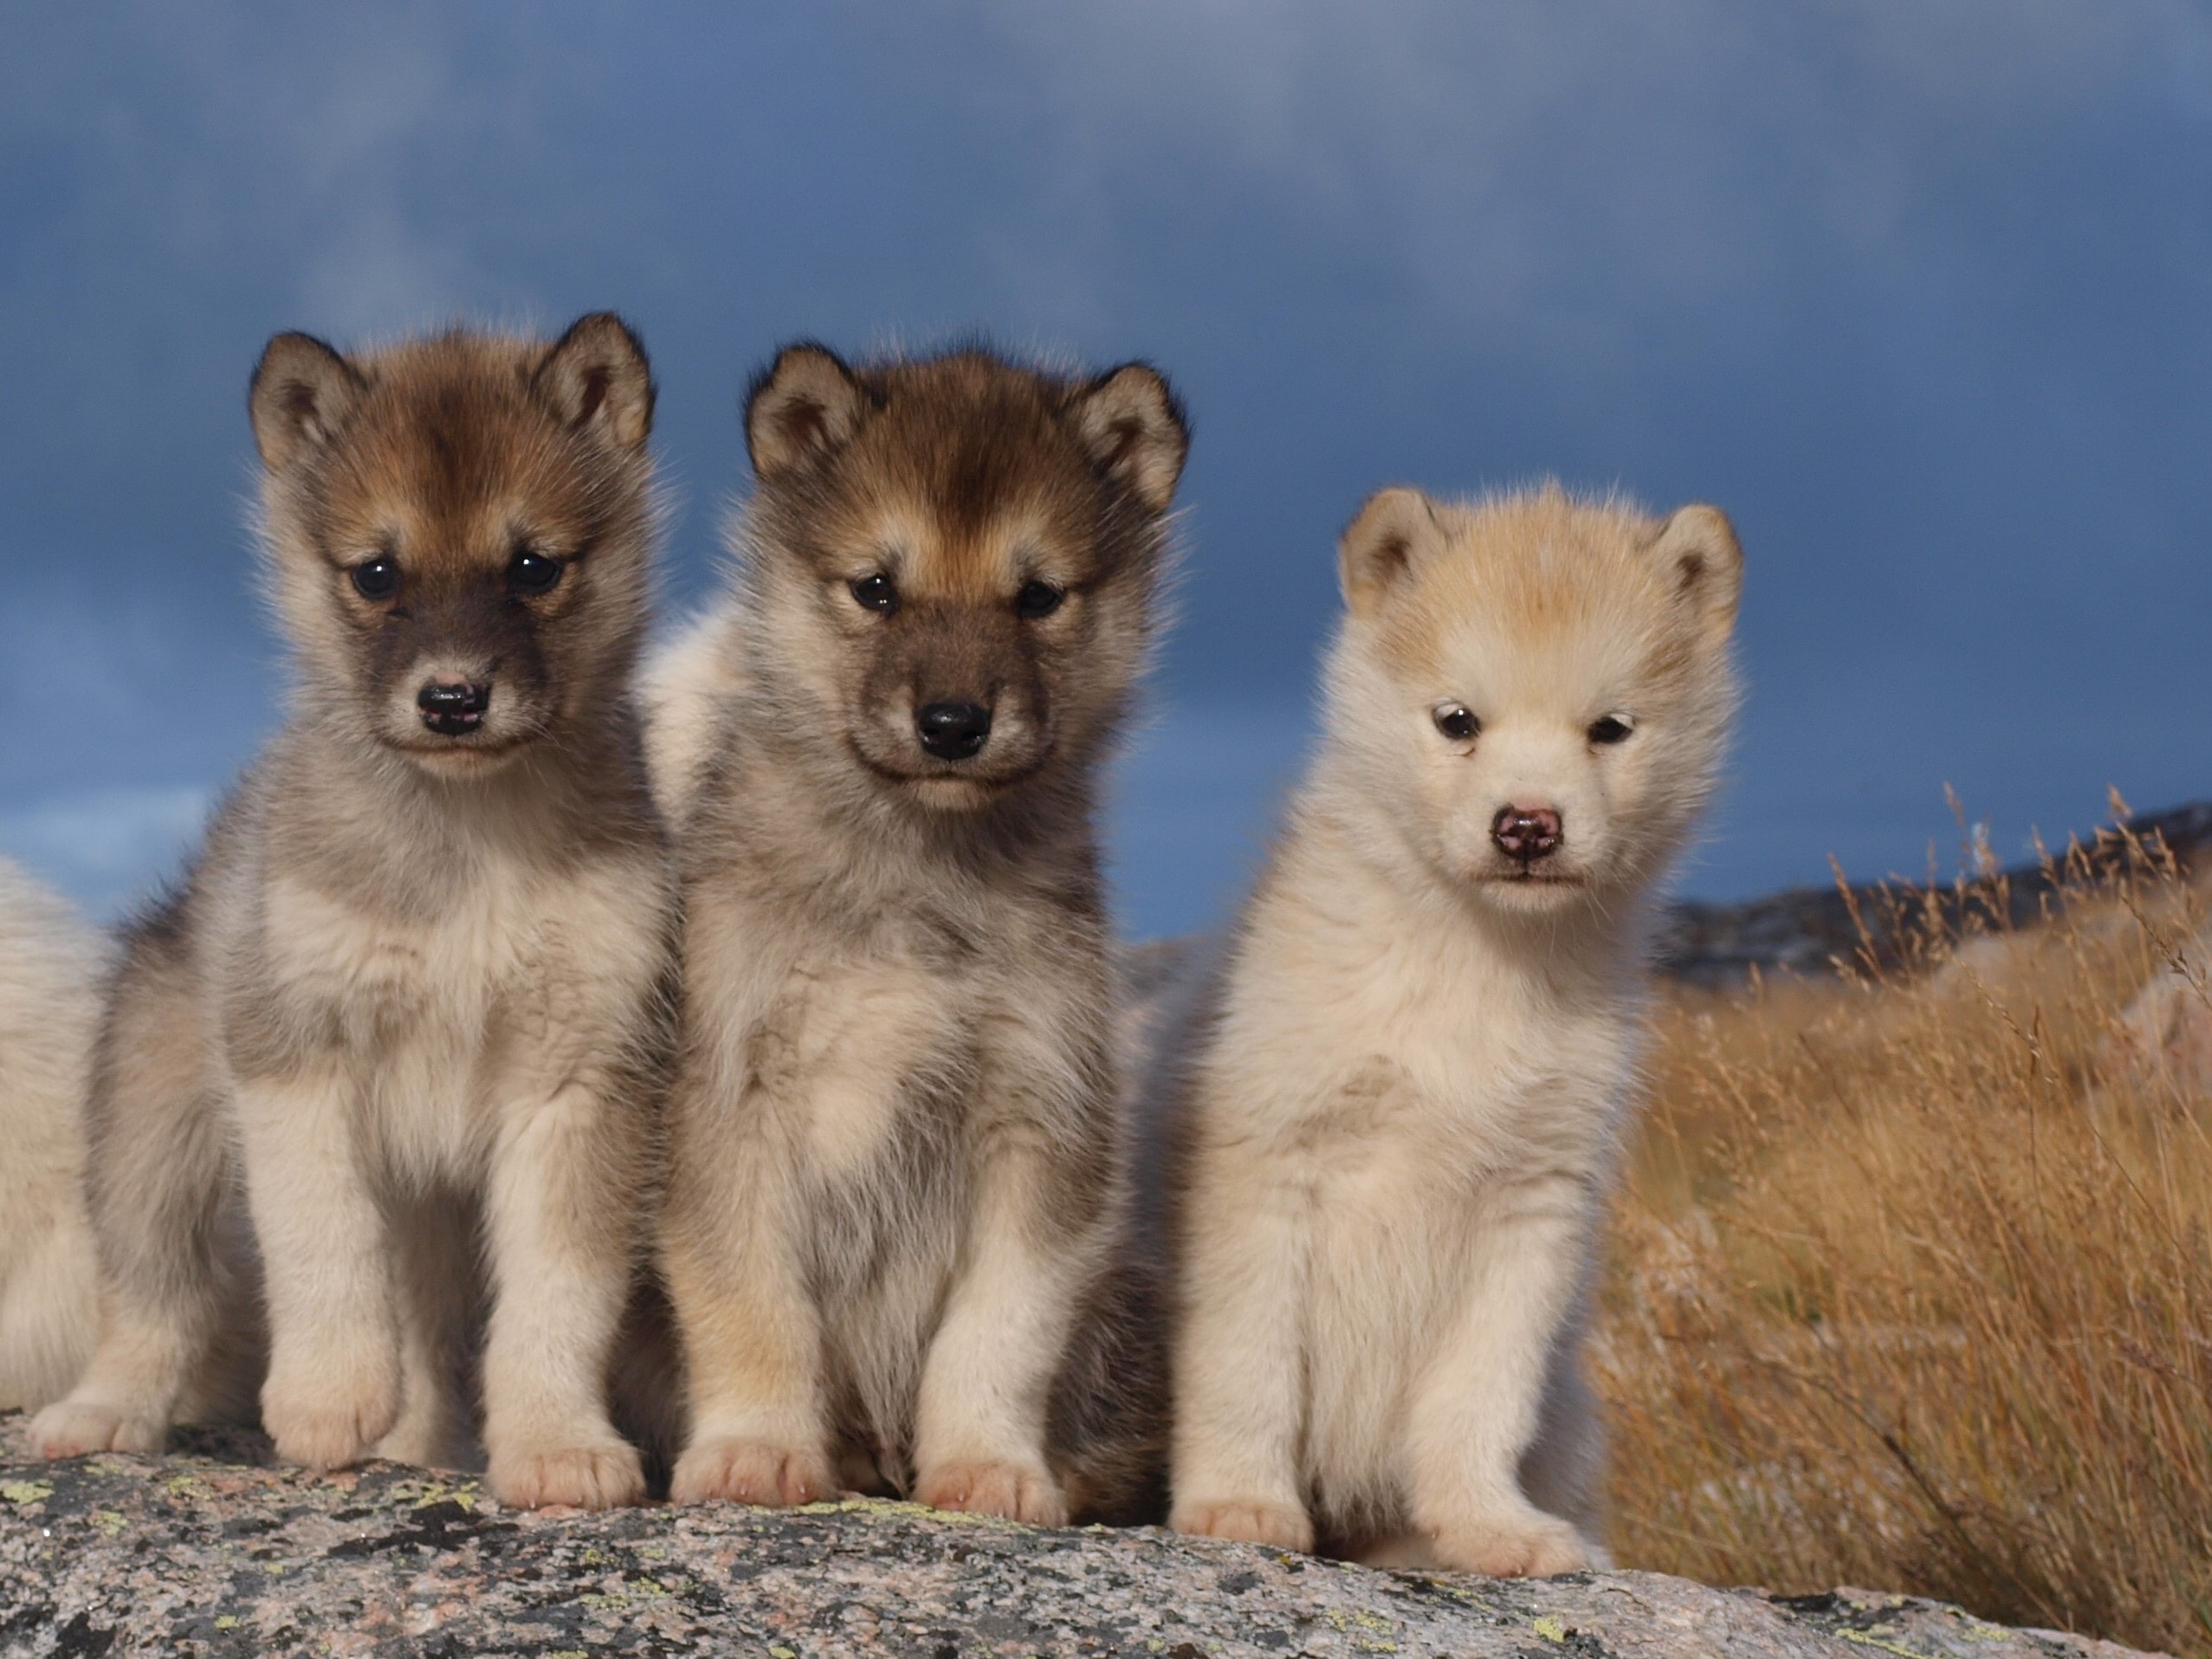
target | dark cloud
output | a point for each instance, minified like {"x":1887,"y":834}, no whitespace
{"x":1919,"y":294}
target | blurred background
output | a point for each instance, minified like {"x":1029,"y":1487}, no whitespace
{"x":1922,"y":295}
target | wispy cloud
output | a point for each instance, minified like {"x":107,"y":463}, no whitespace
{"x":1916,"y":291}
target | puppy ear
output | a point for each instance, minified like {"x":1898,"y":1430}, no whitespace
{"x":1380,"y":544}
{"x":300,"y":391}
{"x":803,"y":406}
{"x":595,"y":378}
{"x":1133,"y":424}
{"x":1698,"y":550}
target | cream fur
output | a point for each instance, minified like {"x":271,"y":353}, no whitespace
{"x":1399,"y":1121}
{"x":51,"y":965}
{"x":684,"y":691}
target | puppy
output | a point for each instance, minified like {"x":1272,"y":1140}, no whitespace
{"x":51,"y":967}
{"x":896,"y":1163}
{"x":1397,"y":1120}
{"x":410,"y":1002}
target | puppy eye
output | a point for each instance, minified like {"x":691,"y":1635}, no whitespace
{"x":1037,"y":599}
{"x":876,"y":592}
{"x":532,"y":571}
{"x":1612,"y":728}
{"x":1456,"y":721}
{"x":377,"y":580}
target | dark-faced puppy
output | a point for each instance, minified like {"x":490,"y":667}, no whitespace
{"x":897,"y":1168}
{"x":414,"y":983}
{"x":465,"y":572}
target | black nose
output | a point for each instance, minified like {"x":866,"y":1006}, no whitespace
{"x":451,"y":708}
{"x":1527,"y":832}
{"x":953,"y":731}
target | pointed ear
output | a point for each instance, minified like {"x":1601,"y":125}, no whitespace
{"x":595,"y":378}
{"x":803,"y":405}
{"x":1697,"y":548}
{"x":300,"y":391}
{"x":1133,"y":424}
{"x":1379,"y":544}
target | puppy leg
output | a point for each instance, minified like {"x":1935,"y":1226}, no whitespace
{"x":566,"y":1182}
{"x":333,"y":1390}
{"x":124,"y":1400}
{"x":1240,"y":1405}
{"x":48,"y":1314}
{"x":158,"y":1169}
{"x":1475,"y":1410}
{"x":751,"y":1334}
{"x":979,"y":1427}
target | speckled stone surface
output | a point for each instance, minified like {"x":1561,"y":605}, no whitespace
{"x":210,"y":1550}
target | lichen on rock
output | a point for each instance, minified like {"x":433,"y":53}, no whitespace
{"x":213,"y":1549}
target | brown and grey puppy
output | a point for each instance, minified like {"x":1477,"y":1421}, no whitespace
{"x":1399,"y":1114}
{"x":411,"y":996}
{"x":897,"y":1169}
{"x":52,"y":964}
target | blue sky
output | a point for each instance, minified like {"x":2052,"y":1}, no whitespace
{"x":1921,"y":295}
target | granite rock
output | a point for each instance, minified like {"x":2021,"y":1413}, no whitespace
{"x":213,"y":1550}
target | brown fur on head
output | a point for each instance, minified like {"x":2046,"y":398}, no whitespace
{"x":464,"y":517}
{"x":958,"y":539}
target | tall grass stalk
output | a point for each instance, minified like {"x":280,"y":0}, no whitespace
{"x":1912,"y":1279}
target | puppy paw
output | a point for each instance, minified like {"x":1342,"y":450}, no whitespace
{"x":1280,"y":1526}
{"x":75,"y":1428}
{"x":751,"y":1471}
{"x":1534,"y":1545}
{"x":603,"y":1475}
{"x":323,"y":1427}
{"x":1008,"y":1490}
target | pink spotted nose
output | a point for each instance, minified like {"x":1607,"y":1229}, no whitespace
{"x":1527,"y":832}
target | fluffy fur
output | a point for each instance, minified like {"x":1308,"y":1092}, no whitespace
{"x":1397,"y":1118}
{"x":685,"y":691}
{"x":51,"y":965}
{"x":896,"y":1167}
{"x":408,"y":1005}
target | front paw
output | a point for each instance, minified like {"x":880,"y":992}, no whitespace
{"x":1531,"y":1546}
{"x":330,"y":1419}
{"x":751,"y":1471}
{"x":984,"y":1487}
{"x":74,"y":1427}
{"x":1246,"y":1521}
{"x":600,"y":1474}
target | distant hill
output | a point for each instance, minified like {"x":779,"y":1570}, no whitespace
{"x":1806,"y":929}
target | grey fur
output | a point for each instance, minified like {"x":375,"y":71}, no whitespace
{"x":897,"y":1173}
{"x":388,"y":1061}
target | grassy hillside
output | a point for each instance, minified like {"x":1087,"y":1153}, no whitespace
{"x":1911,"y":1282}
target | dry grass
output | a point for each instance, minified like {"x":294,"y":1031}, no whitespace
{"x":1911,"y":1282}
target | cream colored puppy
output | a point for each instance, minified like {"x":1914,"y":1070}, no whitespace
{"x":1397,"y":1120}
{"x":686,"y":690}
{"x":51,"y":964}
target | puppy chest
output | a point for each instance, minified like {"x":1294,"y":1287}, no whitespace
{"x":398,"y":974}
{"x":862,"y":1060}
{"x":426,"y":1015}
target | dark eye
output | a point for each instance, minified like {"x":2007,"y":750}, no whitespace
{"x":377,"y":580}
{"x":1037,"y":599}
{"x":1457,"y":721}
{"x":532,"y":571}
{"x":1612,"y":729}
{"x":877,"y":593}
